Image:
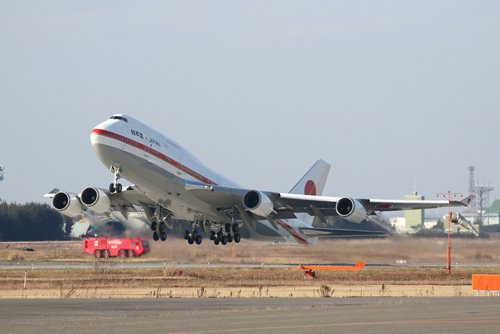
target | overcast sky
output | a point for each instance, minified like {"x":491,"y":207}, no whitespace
{"x":388,"y":92}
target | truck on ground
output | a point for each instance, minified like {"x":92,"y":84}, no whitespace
{"x":113,"y":247}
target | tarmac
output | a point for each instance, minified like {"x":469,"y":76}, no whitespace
{"x":252,"y":315}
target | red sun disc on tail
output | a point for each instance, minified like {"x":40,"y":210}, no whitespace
{"x":310,"y":188}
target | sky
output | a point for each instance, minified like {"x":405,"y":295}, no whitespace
{"x":396,"y":95}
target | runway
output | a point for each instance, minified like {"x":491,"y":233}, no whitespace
{"x":252,"y":315}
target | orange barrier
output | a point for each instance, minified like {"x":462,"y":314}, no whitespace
{"x":485,"y":282}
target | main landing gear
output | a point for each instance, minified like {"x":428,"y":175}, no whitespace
{"x":193,"y":237}
{"x":160,"y":229}
{"x":228,"y":234}
{"x":160,"y":219}
{"x":115,"y":186}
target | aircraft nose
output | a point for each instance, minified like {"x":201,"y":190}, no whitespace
{"x":106,"y":129}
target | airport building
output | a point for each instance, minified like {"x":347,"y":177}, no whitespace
{"x":414,"y":218}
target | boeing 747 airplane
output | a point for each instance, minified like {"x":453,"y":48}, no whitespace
{"x":169,"y":183}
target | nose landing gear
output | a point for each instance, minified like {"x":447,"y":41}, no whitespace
{"x":115,"y":186}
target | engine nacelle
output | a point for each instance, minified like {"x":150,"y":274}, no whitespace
{"x":351,"y":210}
{"x":258,"y":203}
{"x":67,"y":204}
{"x":95,"y":199}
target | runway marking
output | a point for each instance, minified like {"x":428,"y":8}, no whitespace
{"x":351,"y":324}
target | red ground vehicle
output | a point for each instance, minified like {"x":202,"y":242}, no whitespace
{"x":104,"y":247}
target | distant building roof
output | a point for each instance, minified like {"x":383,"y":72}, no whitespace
{"x":495,"y":207}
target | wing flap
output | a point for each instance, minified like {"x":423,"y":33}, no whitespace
{"x":339,"y":233}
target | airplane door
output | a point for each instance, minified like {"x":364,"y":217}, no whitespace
{"x":148,"y":148}
{"x":174,"y":162}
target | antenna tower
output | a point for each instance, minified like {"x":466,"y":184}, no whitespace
{"x":482,"y":195}
{"x":483,"y":200}
{"x":472,"y":188}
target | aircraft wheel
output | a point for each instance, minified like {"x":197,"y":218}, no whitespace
{"x":190,"y":240}
{"x":223,"y":240}
{"x":186,"y":235}
{"x":227,"y":228}
{"x":198,"y":239}
{"x":236,"y":228}
{"x":162,"y":226}
{"x":119,"y":187}
{"x":156,"y":236}
{"x":237,"y":238}
{"x":112,"y":188}
{"x":216,"y":241}
{"x":229,"y":238}
{"x":154,"y":226}
{"x":97,"y":253}
{"x":212,"y":235}
{"x":163,"y":236}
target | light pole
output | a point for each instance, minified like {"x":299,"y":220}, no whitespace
{"x":448,"y":196}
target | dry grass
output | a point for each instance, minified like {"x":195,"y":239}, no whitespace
{"x":391,"y":250}
{"x":413,"y":251}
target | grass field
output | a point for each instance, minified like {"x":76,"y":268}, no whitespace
{"x":173,"y":281}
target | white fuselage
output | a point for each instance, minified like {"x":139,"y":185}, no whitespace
{"x":160,"y":168}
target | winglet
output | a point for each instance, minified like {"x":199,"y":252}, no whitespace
{"x":51,"y":193}
{"x":466,"y":201}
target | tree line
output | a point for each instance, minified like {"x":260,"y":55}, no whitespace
{"x":31,"y":222}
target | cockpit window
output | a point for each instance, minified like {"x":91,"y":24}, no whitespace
{"x":119,"y":118}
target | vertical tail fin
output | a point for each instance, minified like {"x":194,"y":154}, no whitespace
{"x":313,"y":182}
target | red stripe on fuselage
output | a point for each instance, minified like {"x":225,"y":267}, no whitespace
{"x":153,"y":152}
{"x":294,"y":233}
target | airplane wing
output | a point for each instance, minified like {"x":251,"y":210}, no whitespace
{"x":286,"y":205}
{"x":338,"y":233}
{"x":129,"y":197}
{"x":99,"y":201}
{"x":329,"y":204}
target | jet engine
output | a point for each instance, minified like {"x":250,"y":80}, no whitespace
{"x":258,"y":203}
{"x":351,"y":210}
{"x":95,"y":199}
{"x":67,"y":204}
